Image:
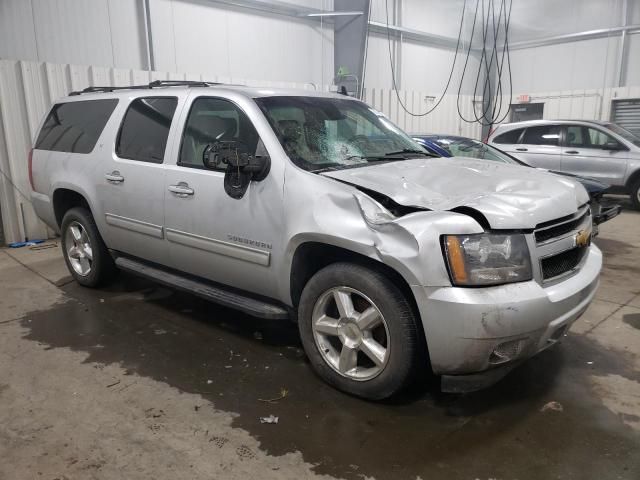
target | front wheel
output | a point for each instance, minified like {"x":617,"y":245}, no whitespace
{"x":85,"y":253}
{"x":359,"y":331}
{"x":635,"y":194}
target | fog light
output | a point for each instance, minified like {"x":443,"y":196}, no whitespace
{"x":505,"y":352}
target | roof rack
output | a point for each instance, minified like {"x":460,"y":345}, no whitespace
{"x":154,"y":84}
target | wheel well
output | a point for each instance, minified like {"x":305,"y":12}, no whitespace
{"x":65,"y":199}
{"x":311,"y":257}
{"x":635,"y":176}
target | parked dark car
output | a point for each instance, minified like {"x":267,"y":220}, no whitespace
{"x":455,"y":146}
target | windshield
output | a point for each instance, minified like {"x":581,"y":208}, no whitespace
{"x":624,"y":133}
{"x":331,"y":133}
{"x":466,"y":147}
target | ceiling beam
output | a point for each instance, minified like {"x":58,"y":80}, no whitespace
{"x":575,"y":37}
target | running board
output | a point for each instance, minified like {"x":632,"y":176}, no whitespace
{"x":248,"y":305}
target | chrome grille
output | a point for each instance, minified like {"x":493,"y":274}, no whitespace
{"x":561,"y":229}
{"x":561,"y":263}
{"x":557,"y":246}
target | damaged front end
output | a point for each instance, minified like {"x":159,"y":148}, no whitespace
{"x":488,"y":297}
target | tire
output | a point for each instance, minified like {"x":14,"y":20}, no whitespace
{"x":395,"y":330}
{"x":635,"y":194}
{"x":82,"y":247}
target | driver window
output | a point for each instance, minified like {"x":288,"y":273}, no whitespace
{"x":211,"y":120}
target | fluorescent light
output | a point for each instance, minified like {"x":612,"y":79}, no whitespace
{"x":331,"y":14}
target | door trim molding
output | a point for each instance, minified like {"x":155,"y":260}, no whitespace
{"x":241,"y":252}
{"x":133,"y":225}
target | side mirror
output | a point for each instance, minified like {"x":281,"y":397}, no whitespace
{"x":613,"y":146}
{"x":241,"y":167}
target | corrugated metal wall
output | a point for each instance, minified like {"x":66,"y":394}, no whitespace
{"x":27,"y":90}
{"x":580,"y":104}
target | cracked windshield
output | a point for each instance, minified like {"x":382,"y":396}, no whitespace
{"x":323,"y":134}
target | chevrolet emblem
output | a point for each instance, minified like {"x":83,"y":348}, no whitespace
{"x":583,"y":238}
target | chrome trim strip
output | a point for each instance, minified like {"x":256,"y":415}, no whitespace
{"x":578,"y":215}
{"x":134,"y":225}
{"x":241,"y":252}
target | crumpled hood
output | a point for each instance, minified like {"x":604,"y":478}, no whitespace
{"x":509,"y":196}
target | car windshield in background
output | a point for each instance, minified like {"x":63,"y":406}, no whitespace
{"x":330,"y":133}
{"x":624,"y":133}
{"x":466,"y":147}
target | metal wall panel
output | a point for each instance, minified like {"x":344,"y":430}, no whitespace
{"x":626,"y":113}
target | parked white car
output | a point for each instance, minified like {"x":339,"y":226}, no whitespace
{"x":601,"y":150}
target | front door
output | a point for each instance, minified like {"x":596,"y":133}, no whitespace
{"x":591,"y":152}
{"x":131,"y":181}
{"x":209,"y":233}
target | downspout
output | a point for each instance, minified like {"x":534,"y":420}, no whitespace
{"x":147,"y":35}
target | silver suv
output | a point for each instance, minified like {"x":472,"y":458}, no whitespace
{"x":315,"y":207}
{"x":601,"y":150}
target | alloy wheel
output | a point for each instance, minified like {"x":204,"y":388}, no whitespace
{"x":351,"y":333}
{"x":79,"y":250}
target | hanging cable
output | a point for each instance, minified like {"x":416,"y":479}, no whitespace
{"x":393,"y":73}
{"x":487,"y":62}
{"x":15,"y":187}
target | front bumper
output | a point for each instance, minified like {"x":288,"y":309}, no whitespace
{"x":474,"y":330}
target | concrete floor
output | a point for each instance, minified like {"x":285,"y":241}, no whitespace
{"x":136,"y":381}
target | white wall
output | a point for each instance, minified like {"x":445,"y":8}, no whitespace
{"x":200,"y":36}
{"x":196,"y":36}
{"x":98,"y":32}
{"x":422,"y":67}
{"x":588,"y":104}
{"x":586,"y":64}
{"x":567,"y":66}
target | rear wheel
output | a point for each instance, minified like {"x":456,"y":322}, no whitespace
{"x":85,"y":253}
{"x":359,"y":331}
{"x":635,"y":194}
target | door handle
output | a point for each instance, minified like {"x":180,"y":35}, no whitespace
{"x":522,"y":149}
{"x":114,"y":177}
{"x":572,"y":152}
{"x":181,"y":189}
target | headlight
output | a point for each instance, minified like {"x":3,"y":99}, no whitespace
{"x":487,"y":259}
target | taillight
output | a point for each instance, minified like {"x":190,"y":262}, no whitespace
{"x":31,"y":169}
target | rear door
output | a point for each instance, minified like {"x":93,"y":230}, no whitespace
{"x":540,"y":147}
{"x":592,"y":152}
{"x":131,"y":181}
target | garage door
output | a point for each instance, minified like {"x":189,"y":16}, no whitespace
{"x":626,"y":113}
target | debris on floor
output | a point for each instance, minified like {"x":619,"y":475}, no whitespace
{"x":28,"y":243}
{"x":555,"y":406}
{"x":269,"y":419}
{"x":283,"y":394}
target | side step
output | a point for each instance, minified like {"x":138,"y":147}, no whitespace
{"x":248,"y":305}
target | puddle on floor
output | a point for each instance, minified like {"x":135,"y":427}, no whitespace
{"x":236,"y":362}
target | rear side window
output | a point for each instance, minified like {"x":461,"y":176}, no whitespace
{"x":75,"y":126}
{"x":511,"y":136}
{"x":145,"y":129}
{"x":543,"y":135}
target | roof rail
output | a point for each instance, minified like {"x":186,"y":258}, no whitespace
{"x":154,"y":84}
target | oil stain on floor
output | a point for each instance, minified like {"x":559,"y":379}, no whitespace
{"x":237,"y":362}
